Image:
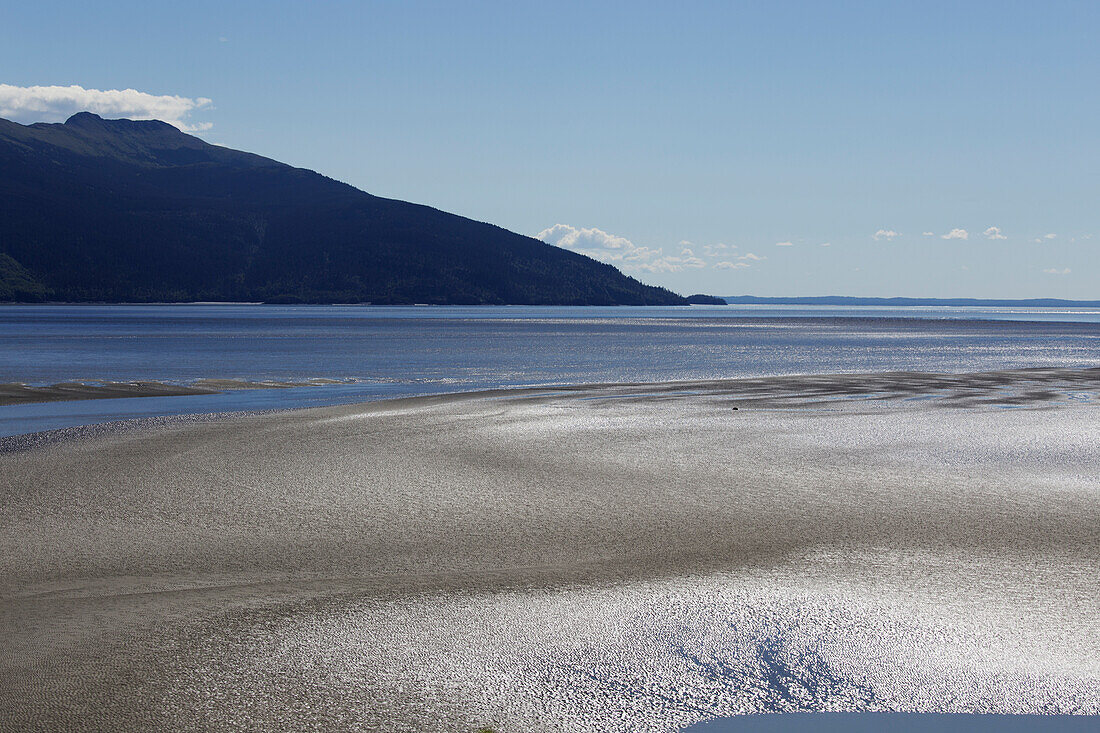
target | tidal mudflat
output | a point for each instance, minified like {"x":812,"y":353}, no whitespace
{"x":609,"y":557}
{"x":17,"y":393}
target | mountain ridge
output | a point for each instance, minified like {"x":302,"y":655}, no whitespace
{"x":95,"y":210}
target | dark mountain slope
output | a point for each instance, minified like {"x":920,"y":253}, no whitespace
{"x":118,"y":210}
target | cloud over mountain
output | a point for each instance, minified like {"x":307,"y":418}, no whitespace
{"x":58,"y":103}
{"x":619,"y":251}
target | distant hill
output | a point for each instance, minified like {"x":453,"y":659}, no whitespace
{"x":127,"y":211}
{"x":700,"y":299}
{"x":958,"y":302}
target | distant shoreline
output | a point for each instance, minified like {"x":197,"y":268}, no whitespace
{"x":820,"y":300}
{"x":848,"y":300}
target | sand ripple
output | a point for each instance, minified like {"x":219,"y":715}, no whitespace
{"x":608,"y":558}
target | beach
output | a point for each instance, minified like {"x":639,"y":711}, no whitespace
{"x":602,"y":557}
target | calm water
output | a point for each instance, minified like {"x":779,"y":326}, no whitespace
{"x":392,"y":351}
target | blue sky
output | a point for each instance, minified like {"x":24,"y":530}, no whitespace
{"x":674,"y":140}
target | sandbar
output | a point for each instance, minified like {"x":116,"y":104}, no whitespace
{"x":601,"y":557}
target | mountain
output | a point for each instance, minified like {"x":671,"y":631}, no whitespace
{"x":129,"y":211}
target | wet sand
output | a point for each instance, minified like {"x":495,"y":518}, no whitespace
{"x":18,"y":393}
{"x":610,"y":557}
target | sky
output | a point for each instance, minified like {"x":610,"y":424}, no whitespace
{"x":935,"y":149}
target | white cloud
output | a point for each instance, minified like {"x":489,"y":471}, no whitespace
{"x":740,"y":262}
{"x":715,"y":250}
{"x":1056,"y":271}
{"x":569,"y":237}
{"x":57,"y":103}
{"x":630,"y":257}
{"x":784,"y":244}
{"x":718,"y":249}
{"x":1052,"y":235}
{"x":887,"y":234}
{"x":826,"y":244}
{"x":956,"y":234}
{"x":928,"y":234}
{"x":618,"y":251}
{"x":687,"y":258}
{"x":993,"y":233}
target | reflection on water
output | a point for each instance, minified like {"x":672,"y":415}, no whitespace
{"x":393,"y":351}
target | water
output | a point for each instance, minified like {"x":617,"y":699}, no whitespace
{"x":394,"y":351}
